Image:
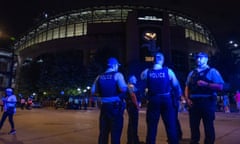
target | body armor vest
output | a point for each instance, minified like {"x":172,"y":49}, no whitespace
{"x":107,"y":85}
{"x":158,"y":82}
{"x":194,"y":88}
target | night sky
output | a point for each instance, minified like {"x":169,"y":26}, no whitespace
{"x":222,"y":17}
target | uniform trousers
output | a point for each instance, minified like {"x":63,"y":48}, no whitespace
{"x":111,"y":122}
{"x":202,"y":109}
{"x":132,"y":131}
{"x":161,"y":105}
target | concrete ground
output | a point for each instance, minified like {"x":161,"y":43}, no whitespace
{"x":50,"y":126}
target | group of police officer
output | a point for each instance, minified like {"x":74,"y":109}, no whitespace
{"x":111,"y":89}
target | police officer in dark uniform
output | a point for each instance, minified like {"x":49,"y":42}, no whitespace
{"x":133,"y":98}
{"x":109,"y":88}
{"x":200,"y":94}
{"x":159,"y":81}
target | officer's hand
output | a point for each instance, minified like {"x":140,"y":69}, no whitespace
{"x":189,"y":102}
{"x":202,"y":83}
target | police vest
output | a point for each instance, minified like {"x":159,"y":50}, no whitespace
{"x":194,"y":88}
{"x":107,"y":85}
{"x":158,"y":82}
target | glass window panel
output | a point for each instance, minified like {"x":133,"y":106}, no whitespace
{"x":191,"y":35}
{"x":70,"y":30}
{"x":197,"y":36}
{"x":201,"y":38}
{"x":84,"y":28}
{"x":62,"y":31}
{"x":49,"y":34}
{"x":31,"y":41}
{"x":40,"y":38}
{"x":79,"y":29}
{"x":55,"y":33}
{"x":44,"y":36}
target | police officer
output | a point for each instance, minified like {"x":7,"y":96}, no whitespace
{"x":9,"y":106}
{"x":133,"y":98}
{"x":109,"y":88}
{"x":200,"y":94}
{"x":159,"y":81}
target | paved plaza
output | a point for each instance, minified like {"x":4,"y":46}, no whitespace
{"x":50,"y":126}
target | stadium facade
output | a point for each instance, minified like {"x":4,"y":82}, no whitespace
{"x":130,"y":33}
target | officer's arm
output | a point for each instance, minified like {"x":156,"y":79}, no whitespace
{"x":94,"y":89}
{"x":143,"y":75}
{"x":217,"y":81}
{"x":175,"y":82}
{"x":186,"y":96}
{"x":133,"y":95}
{"x":122,"y":85}
{"x":213,"y":86}
{"x":187,"y":91}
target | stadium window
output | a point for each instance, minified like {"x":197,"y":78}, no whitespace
{"x":70,"y":30}
{"x":62,"y":31}
{"x":84,"y":28}
{"x":191,"y":34}
{"x":49,"y":34}
{"x":56,"y":33}
{"x":78,"y":29}
{"x":40,"y":38}
{"x":44,"y":36}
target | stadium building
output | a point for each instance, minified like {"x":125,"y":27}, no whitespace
{"x":130,"y":33}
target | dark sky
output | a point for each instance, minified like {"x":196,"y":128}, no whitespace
{"x":222,"y":17}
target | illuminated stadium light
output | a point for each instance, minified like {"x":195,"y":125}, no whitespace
{"x":151,"y":18}
{"x":150,"y":36}
{"x":231,"y":42}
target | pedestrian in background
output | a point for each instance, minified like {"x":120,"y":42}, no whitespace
{"x":29,"y":102}
{"x":200,"y":93}
{"x":22,"y":102}
{"x":226,"y":103}
{"x":133,"y":98}
{"x":109,"y":88}
{"x":159,"y":81}
{"x":237,"y":99}
{"x":9,"y":108}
